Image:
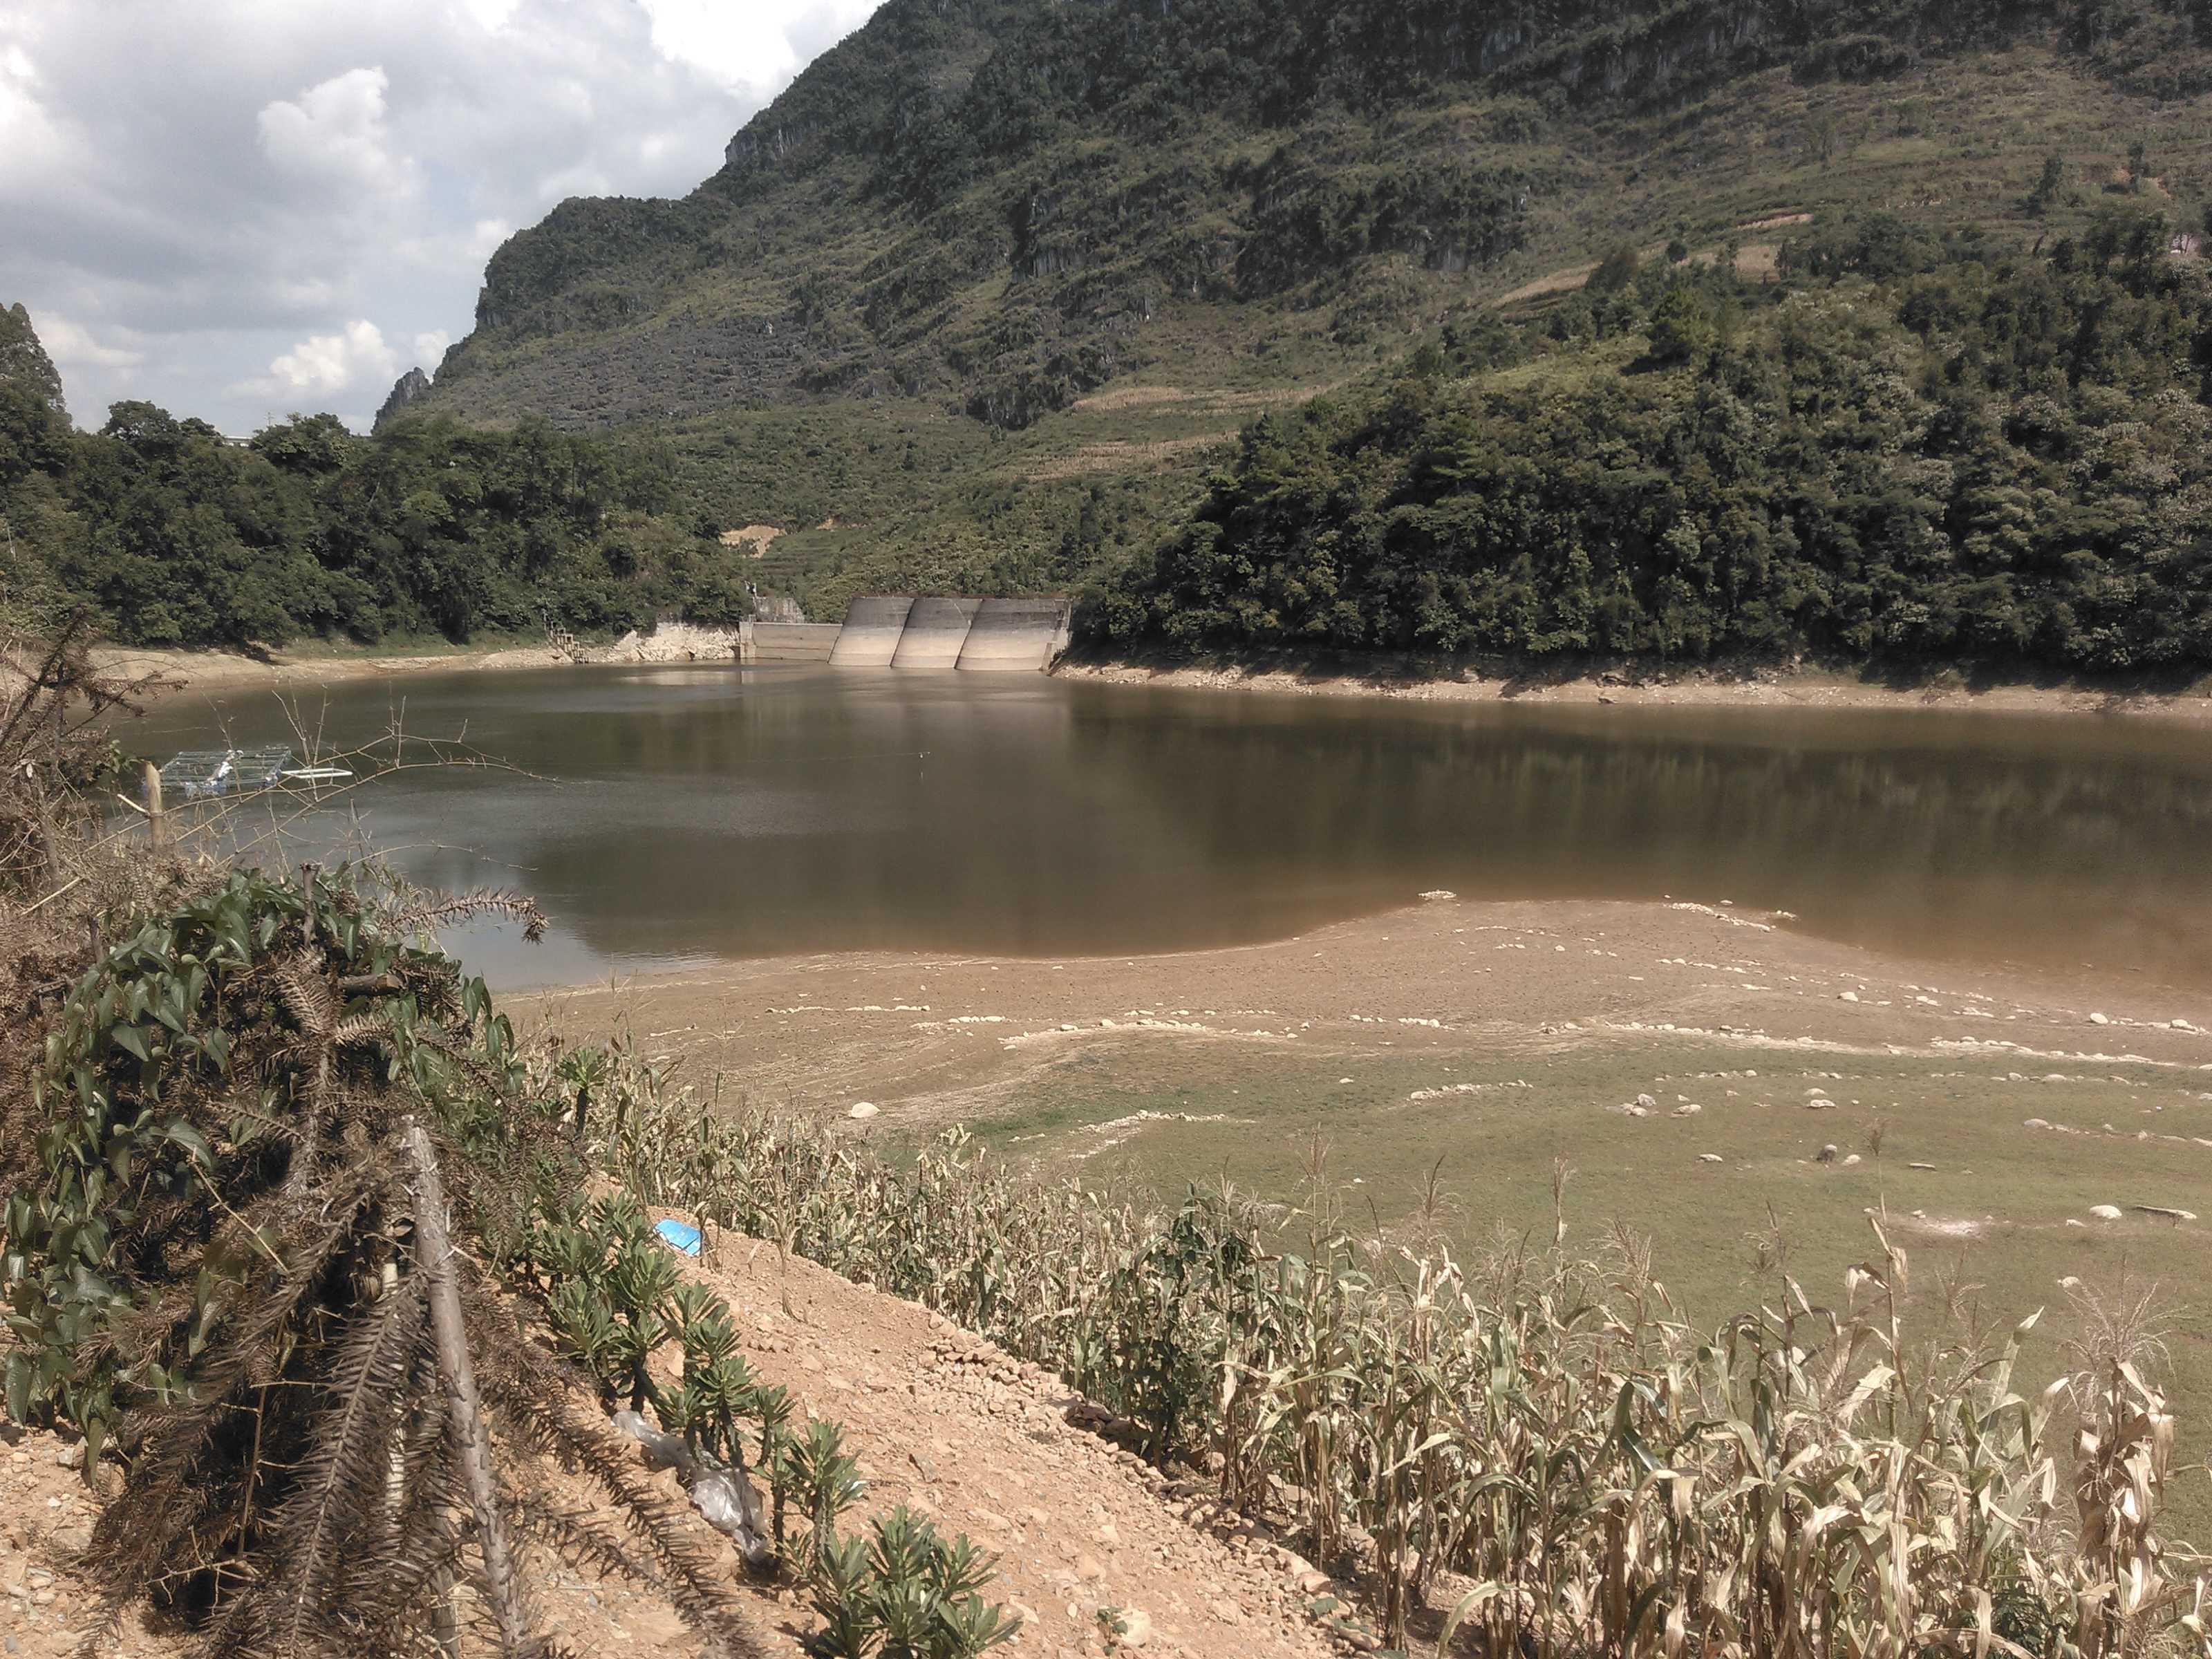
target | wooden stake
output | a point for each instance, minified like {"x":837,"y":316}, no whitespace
{"x":157,"y":826}
{"x":433,"y":1259}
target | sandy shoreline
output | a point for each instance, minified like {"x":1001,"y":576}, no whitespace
{"x":1412,"y":682}
{"x":1693,"y":687}
{"x":215,"y":670}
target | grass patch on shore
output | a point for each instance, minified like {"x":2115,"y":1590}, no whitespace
{"x":1986,"y":1225}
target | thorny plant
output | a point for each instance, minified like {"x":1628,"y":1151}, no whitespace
{"x":57,"y":753}
{"x":1533,"y":1441}
{"x":904,"y":1593}
{"x":206,"y":1270}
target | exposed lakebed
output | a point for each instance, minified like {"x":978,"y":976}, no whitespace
{"x":665,"y":815}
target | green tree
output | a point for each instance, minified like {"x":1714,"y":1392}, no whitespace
{"x":2047,"y":187}
{"x":1682,"y":325}
{"x":1616,"y":272}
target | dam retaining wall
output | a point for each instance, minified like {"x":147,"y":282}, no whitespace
{"x":896,"y":630}
{"x":870,"y":638}
{"x":1015,"y":635}
{"x":936,"y":629}
{"x":795,"y":641}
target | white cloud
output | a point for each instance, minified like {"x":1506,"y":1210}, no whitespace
{"x":491,"y":15}
{"x":325,"y":364}
{"x":74,"y":347}
{"x":218,"y":198}
{"x":754,"y":47}
{"x":334,"y":134}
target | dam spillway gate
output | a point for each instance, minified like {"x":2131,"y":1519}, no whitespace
{"x":900,"y":630}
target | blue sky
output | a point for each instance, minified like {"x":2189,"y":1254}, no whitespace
{"x":242,"y":208}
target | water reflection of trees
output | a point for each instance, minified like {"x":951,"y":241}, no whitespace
{"x":914,"y":811}
{"x":2009,"y":846}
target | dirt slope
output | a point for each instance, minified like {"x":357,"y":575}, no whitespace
{"x":940,"y":1420}
{"x":948,"y":1424}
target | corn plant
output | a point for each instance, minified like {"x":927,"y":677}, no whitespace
{"x":1537,"y":1426}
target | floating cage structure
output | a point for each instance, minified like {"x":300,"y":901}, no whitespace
{"x":198,"y":774}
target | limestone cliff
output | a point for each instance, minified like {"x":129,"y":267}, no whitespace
{"x":407,"y":391}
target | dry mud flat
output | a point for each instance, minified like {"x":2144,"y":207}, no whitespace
{"x":1415,"y":681}
{"x":1088,"y":1536}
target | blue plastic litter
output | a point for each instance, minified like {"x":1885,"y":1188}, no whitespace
{"x":677,"y":1235}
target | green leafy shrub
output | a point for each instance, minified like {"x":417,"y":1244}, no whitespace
{"x":904,"y":1593}
{"x":210,"y":1270}
{"x":210,"y":1067}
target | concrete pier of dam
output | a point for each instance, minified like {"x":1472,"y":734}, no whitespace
{"x":1016,"y":635}
{"x":873,"y":625}
{"x":897,"y":630}
{"x":936,"y":629}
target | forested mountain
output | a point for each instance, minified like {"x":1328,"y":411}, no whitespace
{"x":1931,"y":451}
{"x":1876,"y":329}
{"x":992,"y":202}
{"x":980,"y":299}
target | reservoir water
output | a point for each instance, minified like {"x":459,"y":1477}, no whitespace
{"x":667,"y":814}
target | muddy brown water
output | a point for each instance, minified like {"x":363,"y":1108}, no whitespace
{"x":667,"y":816}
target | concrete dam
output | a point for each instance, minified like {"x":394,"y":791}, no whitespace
{"x":898,"y":630}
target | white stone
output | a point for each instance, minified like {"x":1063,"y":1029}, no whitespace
{"x":863,"y":1109}
{"x":2106,"y":1211}
{"x":1710,"y":1157}
{"x":2101,"y":1019}
{"x":1688,"y":1109}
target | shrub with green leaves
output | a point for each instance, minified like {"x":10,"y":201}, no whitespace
{"x":217,"y":1065}
{"x":615,"y":1296}
{"x":905,"y":1592}
{"x":208,"y":1269}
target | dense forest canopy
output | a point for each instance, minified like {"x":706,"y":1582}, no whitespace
{"x":1913,"y":449}
{"x":1924,"y":450}
{"x":175,"y":536}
